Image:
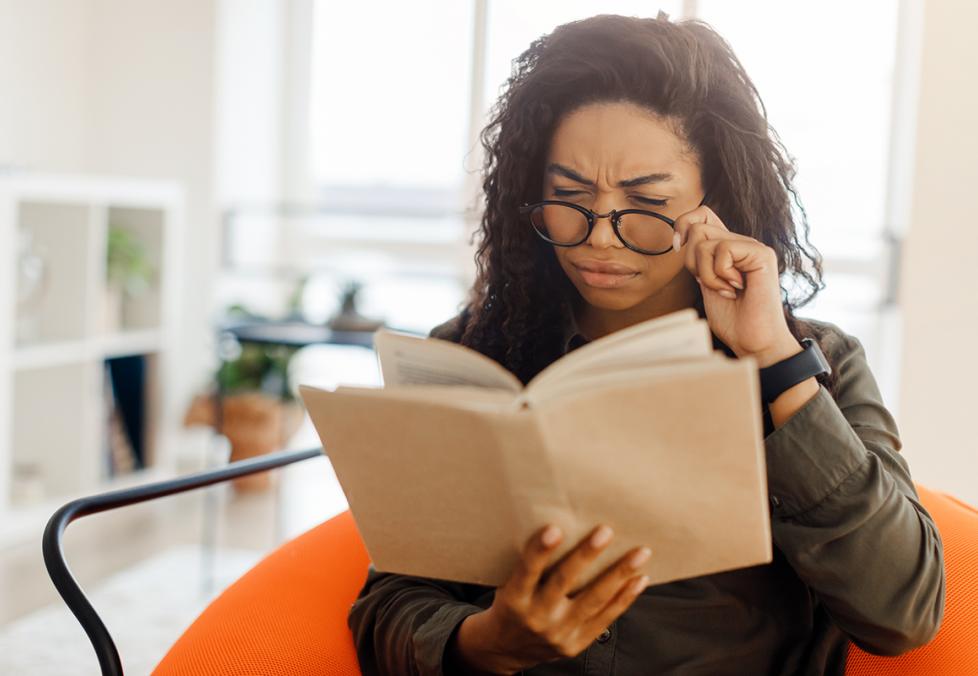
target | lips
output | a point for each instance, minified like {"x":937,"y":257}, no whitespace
{"x":605,"y":267}
{"x":603,"y":274}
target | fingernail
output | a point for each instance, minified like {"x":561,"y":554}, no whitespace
{"x":699,"y":281}
{"x":675,"y":242}
{"x":639,"y":557}
{"x":640,"y":584}
{"x":726,"y":293}
{"x":550,"y":536}
{"x":601,"y":536}
{"x":736,"y":284}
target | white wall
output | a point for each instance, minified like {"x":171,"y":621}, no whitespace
{"x":44,"y":83}
{"x":939,"y":277}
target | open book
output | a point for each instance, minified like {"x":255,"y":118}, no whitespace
{"x":453,"y":464}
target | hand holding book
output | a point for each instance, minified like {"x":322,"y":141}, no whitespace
{"x":533,"y":619}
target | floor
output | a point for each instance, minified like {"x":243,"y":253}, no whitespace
{"x":102,"y":545}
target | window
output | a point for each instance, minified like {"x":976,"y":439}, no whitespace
{"x":389,"y":103}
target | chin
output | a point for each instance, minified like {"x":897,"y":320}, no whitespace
{"x":610,"y":299}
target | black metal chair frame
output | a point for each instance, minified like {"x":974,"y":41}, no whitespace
{"x":57,"y":566}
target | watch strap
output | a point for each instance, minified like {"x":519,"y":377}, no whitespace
{"x":788,"y":372}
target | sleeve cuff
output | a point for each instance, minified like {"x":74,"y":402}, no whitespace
{"x":431,"y":638}
{"x":810,"y":455}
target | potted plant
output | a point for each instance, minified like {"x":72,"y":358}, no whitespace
{"x":129,"y":274}
{"x":259,"y":410}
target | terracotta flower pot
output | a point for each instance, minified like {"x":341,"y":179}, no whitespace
{"x":254,"y":423}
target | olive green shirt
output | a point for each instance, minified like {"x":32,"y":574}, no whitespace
{"x":856,"y":558}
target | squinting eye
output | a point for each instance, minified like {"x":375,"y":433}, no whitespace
{"x":649,"y":200}
{"x":563,"y":192}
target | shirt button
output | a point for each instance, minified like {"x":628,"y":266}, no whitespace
{"x":775,"y":501}
{"x":604,"y":636}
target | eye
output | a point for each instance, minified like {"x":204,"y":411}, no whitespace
{"x":649,"y":200}
{"x":566,"y":192}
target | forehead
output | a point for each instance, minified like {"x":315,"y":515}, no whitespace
{"x":618,"y":141}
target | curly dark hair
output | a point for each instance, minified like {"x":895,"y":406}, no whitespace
{"x":685,"y":73}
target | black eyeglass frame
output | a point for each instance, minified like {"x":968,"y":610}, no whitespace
{"x":592,"y":218}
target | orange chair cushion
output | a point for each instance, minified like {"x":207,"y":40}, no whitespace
{"x":955,"y":648}
{"x":287,"y":615}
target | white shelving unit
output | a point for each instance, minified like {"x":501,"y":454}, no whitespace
{"x":54,"y":435}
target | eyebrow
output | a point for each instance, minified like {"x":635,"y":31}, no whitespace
{"x":567,"y":172}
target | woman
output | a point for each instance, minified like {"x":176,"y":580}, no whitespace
{"x":613,"y":114}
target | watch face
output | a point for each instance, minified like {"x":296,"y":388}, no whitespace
{"x":819,"y":355}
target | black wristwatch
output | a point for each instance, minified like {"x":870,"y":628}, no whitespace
{"x":786,"y":373}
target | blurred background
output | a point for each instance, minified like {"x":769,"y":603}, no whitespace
{"x":203,"y":197}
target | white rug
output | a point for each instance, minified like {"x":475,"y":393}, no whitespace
{"x":145,"y":609}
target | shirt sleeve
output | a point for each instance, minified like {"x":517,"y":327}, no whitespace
{"x":401,"y":624}
{"x":847,"y":517}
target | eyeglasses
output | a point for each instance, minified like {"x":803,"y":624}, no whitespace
{"x":569,"y":224}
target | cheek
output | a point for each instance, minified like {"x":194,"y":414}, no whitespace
{"x":660,"y":270}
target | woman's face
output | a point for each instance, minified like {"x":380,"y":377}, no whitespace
{"x":619,"y":155}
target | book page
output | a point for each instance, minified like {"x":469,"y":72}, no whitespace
{"x":608,"y":376}
{"x":463,"y":396}
{"x":425,"y":482}
{"x":414,"y":360}
{"x":678,"y":341}
{"x":677,"y":465}
{"x":641,"y":330}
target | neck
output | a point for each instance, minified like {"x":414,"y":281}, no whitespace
{"x":681,"y":292}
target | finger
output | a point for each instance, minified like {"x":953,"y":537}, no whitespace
{"x":625,"y":597}
{"x":701,"y":215}
{"x":535,"y":559}
{"x":597,"y":594}
{"x":746,"y":255}
{"x":700,"y":231}
{"x":702,"y":266}
{"x":724,"y":265}
{"x":684,"y":229}
{"x":563,"y":576}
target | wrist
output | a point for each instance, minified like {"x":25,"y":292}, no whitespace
{"x":472,"y":648}
{"x":788,"y":347}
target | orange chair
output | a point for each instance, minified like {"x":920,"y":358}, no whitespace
{"x":955,"y":648}
{"x":288,"y":615}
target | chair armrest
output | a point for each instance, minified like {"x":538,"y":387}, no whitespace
{"x":57,"y":566}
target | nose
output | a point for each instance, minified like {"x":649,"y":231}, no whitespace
{"x":603,"y":234}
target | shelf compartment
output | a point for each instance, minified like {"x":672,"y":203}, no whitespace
{"x":55,"y":308}
{"x":55,"y":414}
{"x":141,"y":310}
